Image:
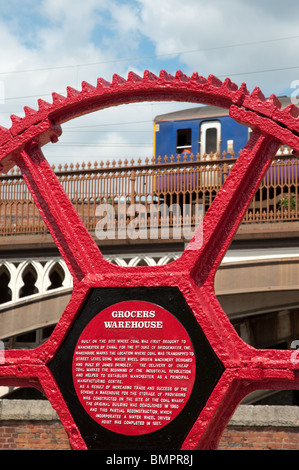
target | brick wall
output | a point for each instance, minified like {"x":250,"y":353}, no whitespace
{"x":262,"y":428}
{"x":33,"y":435}
{"x":30,"y":425}
{"x":34,"y":425}
{"x":256,"y":438}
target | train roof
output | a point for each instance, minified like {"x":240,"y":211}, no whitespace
{"x":204,"y":112}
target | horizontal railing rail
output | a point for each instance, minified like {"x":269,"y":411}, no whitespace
{"x":158,"y":186}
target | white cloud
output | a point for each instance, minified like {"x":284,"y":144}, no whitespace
{"x":210,"y":26}
{"x":70,"y":24}
{"x":48,"y":45}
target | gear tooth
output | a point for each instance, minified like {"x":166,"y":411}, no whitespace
{"x":44,"y":106}
{"x":274,"y":101}
{"x":118,"y":80}
{"x":240,"y":94}
{"x":270,"y":107}
{"x":165,"y":76}
{"x":149,"y":76}
{"x":17,"y":124}
{"x":57,"y":98}
{"x":87,"y":87}
{"x":15,"y":119}
{"x":229,"y":85}
{"x":101,"y":83}
{"x":258,"y":94}
{"x":133,"y":77}
{"x":291,"y":110}
{"x":288,"y":116}
{"x":181,"y":77}
{"x":243,"y":89}
{"x":214,"y":81}
{"x":72,"y":92}
{"x":29,"y":111}
{"x":198,"y":79}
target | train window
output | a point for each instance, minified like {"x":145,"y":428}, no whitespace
{"x":183,"y":140}
{"x":211,"y":140}
{"x":209,"y":137}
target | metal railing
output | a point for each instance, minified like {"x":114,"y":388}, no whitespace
{"x":150,"y":183}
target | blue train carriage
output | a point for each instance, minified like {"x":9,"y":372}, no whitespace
{"x":210,"y":133}
{"x":200,"y":130}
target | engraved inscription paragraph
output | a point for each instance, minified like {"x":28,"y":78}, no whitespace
{"x":134,"y":367}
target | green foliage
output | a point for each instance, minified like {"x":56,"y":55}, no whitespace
{"x":288,"y":202}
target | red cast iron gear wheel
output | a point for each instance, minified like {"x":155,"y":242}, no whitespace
{"x":245,"y":368}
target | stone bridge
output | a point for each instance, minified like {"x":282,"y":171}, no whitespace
{"x":257,"y":283}
{"x":258,"y":288}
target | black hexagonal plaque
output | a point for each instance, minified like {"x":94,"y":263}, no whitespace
{"x":178,"y":399}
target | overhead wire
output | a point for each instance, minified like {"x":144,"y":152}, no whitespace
{"x":157,"y":56}
{"x":154,"y":56}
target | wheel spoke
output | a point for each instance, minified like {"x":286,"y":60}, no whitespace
{"x":73,"y":240}
{"x":212,"y":238}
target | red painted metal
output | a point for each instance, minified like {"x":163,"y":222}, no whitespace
{"x":156,"y":327}
{"x":245,"y":368}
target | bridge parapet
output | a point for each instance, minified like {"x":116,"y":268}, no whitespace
{"x":253,"y":286}
{"x":123,"y":185}
{"x":22,"y":278}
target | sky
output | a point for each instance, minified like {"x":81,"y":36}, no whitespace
{"x":48,"y":45}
